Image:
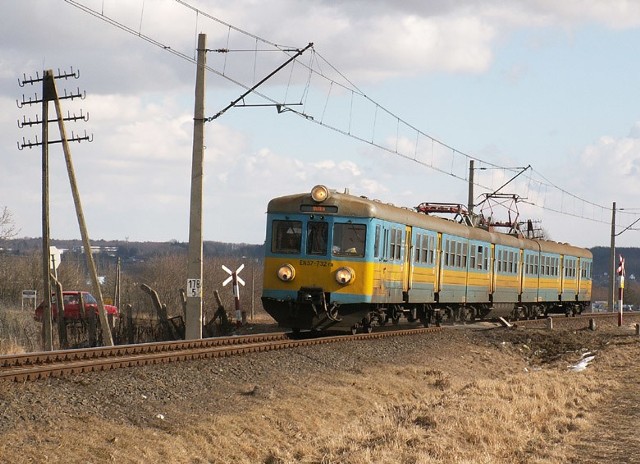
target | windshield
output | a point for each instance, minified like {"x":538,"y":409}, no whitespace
{"x":286,"y":236}
{"x":317,"y":236}
{"x":348,"y":239}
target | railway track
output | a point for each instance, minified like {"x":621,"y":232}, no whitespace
{"x":40,"y":365}
{"x":581,"y":321}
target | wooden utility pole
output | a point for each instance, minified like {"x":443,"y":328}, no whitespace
{"x":107,"y":339}
{"x":47,"y":85}
{"x":193,"y":322}
{"x":49,"y":93}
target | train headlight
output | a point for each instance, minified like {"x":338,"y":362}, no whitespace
{"x":345,"y":275}
{"x":286,"y":273}
{"x":319,"y":193}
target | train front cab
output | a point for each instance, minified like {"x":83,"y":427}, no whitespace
{"x":317,"y":272}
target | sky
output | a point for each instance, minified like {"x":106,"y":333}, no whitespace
{"x":391,"y":102}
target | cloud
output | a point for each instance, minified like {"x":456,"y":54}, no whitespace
{"x":140,"y":101}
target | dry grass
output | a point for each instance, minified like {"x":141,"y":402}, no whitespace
{"x":19,"y":333}
{"x":484,"y":408}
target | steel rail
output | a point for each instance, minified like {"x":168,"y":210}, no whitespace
{"x":62,"y":363}
{"x":579,"y":321}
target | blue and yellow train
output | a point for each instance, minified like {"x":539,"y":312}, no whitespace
{"x":335,"y":261}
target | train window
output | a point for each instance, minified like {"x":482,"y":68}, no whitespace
{"x":286,"y":236}
{"x":452,"y":253}
{"x":348,"y":239}
{"x":376,"y":244}
{"x":422,"y":248}
{"x":317,"y":237}
{"x":424,"y":252}
{"x":432,"y":250}
{"x":465,"y":253}
{"x":445,"y":249}
{"x":385,"y":245}
{"x":458,"y":254}
{"x":392,"y":244}
{"x":399,"y":242}
{"x":472,"y":257}
{"x":481,"y":259}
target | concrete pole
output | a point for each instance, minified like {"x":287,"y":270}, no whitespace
{"x":193,"y":323}
{"x":612,"y":261}
{"x":471,"y":180}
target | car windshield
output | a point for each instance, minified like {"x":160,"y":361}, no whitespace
{"x":88,"y":298}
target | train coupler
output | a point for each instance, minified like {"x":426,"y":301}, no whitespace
{"x":315,"y":297}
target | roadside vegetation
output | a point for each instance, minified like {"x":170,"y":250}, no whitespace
{"x":165,"y":273}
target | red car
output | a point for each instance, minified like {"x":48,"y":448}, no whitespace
{"x":72,"y":310}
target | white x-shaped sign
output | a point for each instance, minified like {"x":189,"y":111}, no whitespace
{"x":230,"y":272}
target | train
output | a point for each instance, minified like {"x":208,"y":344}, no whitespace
{"x":340,"y":262}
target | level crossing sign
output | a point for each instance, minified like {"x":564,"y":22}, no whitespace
{"x":233,"y":277}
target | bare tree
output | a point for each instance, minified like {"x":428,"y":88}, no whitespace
{"x":7,"y":227}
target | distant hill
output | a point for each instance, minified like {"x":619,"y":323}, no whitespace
{"x":602,"y":262}
{"x":135,"y":251}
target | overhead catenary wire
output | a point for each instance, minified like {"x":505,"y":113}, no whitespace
{"x":320,"y":67}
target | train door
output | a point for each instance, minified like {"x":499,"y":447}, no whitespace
{"x":561,"y":272}
{"x":492,"y":270}
{"x":407,"y":268}
{"x":437,"y":284}
{"x":521,"y":269}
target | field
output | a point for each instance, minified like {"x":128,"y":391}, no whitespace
{"x":480,"y":395}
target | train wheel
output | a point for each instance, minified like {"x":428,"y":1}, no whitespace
{"x":395,"y":315}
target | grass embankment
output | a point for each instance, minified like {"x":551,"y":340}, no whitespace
{"x":460,"y":401}
{"x":19,"y":333}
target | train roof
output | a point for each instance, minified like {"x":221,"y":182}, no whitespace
{"x":345,"y":204}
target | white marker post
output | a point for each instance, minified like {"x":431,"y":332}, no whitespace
{"x":620,"y":290}
{"x":233,"y":277}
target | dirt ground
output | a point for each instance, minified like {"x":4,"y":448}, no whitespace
{"x":480,"y":394}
